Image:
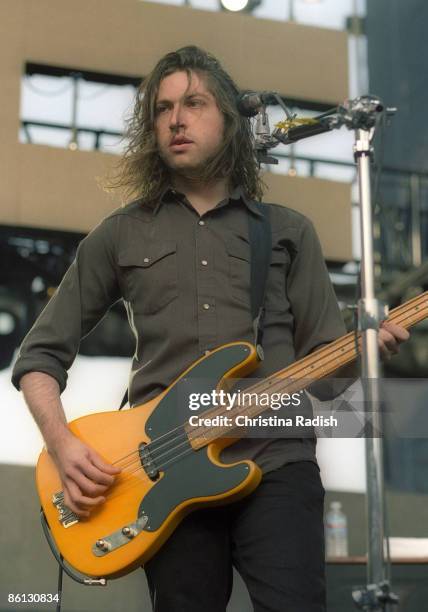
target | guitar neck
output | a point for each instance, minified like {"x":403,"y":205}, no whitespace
{"x":319,"y":364}
{"x":342,"y":351}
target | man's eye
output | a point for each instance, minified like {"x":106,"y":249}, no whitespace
{"x":195,"y":103}
{"x":161,"y":109}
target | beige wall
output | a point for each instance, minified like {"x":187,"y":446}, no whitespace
{"x":58,"y":188}
{"x":326,"y":203}
{"x":50,"y":187}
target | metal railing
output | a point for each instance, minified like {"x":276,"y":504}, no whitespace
{"x":401,"y":211}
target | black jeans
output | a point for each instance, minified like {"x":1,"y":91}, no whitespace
{"x":274,"y":538}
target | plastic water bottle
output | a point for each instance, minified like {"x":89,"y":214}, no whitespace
{"x":336,"y":531}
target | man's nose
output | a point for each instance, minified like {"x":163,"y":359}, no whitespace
{"x":177,"y":117}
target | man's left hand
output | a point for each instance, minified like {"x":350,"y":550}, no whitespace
{"x":390,"y":337}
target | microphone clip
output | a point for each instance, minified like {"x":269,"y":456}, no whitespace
{"x":263,"y":138}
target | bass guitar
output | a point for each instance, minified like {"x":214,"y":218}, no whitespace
{"x":169,"y":467}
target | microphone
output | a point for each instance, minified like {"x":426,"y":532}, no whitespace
{"x":304,"y":128}
{"x":250,"y":102}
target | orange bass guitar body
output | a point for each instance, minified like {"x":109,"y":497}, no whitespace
{"x":164,"y":473}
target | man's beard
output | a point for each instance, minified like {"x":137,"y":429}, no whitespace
{"x":196,"y":172}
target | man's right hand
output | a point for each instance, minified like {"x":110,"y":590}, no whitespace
{"x":85,"y":476}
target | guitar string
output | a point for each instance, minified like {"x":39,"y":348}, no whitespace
{"x":131,"y":482}
{"x":170,"y":449}
{"x":183,"y":435}
{"x":252,"y":389}
{"x":332,"y":350}
{"x":397,"y":318}
{"x":188,"y":451}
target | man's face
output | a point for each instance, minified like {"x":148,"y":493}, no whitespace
{"x":189,"y":126}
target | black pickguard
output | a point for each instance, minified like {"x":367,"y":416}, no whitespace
{"x":188,"y":473}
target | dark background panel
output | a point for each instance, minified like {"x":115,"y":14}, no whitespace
{"x":398,"y":73}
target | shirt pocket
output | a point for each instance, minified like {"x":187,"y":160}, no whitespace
{"x":150,"y":274}
{"x":239,"y":255}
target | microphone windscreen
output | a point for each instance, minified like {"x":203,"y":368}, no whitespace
{"x":249,"y":103}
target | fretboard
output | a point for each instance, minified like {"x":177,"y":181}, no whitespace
{"x":319,"y":364}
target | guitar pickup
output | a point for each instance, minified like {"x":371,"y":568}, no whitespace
{"x":66,"y":517}
{"x":147,"y":462}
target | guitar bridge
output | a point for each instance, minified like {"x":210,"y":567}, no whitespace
{"x":66,"y":517}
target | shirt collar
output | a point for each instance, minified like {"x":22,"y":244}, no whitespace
{"x":239,"y":194}
{"x":169,"y":193}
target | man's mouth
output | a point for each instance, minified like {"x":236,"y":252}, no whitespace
{"x":180,"y":141}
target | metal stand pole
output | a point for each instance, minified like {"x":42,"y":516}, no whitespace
{"x":370,"y":371}
{"x":73,"y":144}
{"x":376,"y":595}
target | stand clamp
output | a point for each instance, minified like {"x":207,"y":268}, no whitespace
{"x":371,"y":313}
{"x":264,"y":141}
{"x":374,"y":596}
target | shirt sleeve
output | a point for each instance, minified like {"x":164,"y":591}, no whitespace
{"x":317,"y":317}
{"x":87,"y":290}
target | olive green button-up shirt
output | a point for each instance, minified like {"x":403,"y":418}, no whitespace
{"x":185,"y":282}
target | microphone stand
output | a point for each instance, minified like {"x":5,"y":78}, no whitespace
{"x":377,"y":594}
{"x":361,"y":115}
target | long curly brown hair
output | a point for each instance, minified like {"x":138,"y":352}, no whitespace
{"x":141,"y":172}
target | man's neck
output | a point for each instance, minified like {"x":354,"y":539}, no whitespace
{"x":203,"y":196}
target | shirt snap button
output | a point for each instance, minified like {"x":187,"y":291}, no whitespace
{"x":206,"y":306}
{"x":146,"y":259}
{"x":204,"y":262}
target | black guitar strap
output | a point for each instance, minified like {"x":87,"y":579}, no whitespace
{"x":260,"y":236}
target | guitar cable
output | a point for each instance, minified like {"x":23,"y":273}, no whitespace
{"x":59,"y":586}
{"x":62,"y":566}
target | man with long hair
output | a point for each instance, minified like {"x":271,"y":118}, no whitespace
{"x":179,"y":255}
